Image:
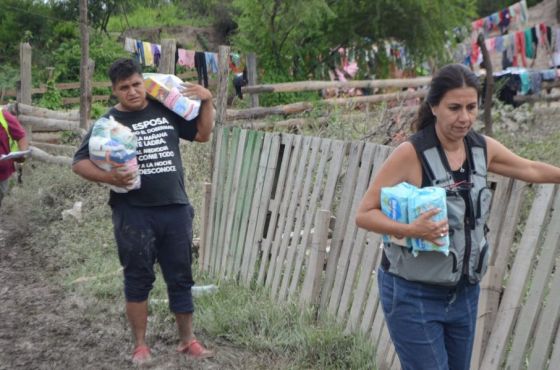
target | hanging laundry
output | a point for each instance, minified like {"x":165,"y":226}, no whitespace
{"x":528,"y":38}
{"x":240,"y":80}
{"x":235,"y":64}
{"x":548,"y":74}
{"x":140,"y":52}
{"x":499,"y":44}
{"x":130,"y":45}
{"x":536,"y":82}
{"x":148,"y":56}
{"x":156,"y":51}
{"x":525,"y":82}
{"x":211,"y":61}
{"x":186,"y":58}
{"x":520,"y":48}
{"x":201,"y":70}
{"x":505,"y":19}
{"x":490,"y":44}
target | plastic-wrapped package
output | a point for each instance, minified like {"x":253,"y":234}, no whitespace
{"x":404,"y":203}
{"x":394,"y":204}
{"x":423,"y":200}
{"x":167,"y":89}
{"x":114,"y":145}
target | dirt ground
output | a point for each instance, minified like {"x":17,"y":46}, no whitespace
{"x":42,"y":326}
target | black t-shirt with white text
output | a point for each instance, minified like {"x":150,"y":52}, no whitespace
{"x":159,"y":159}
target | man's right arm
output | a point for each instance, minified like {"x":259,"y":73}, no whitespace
{"x":89,"y":171}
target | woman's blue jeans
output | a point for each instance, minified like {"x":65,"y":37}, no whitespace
{"x":432,"y":327}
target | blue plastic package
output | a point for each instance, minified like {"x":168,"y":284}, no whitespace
{"x":394,"y":204}
{"x":422,"y":201}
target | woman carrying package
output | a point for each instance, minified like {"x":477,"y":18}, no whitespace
{"x":430,"y":301}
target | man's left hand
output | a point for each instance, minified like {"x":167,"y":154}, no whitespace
{"x":196,"y":92}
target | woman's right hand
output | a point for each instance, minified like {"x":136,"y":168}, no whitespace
{"x":425,"y":228}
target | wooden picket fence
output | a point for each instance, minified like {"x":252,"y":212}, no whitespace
{"x":280,"y":213}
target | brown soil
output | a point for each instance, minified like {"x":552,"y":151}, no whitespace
{"x":43,"y":326}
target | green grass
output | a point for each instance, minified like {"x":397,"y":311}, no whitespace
{"x":169,"y":15}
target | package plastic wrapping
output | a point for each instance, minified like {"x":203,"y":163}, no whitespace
{"x":114,"y":145}
{"x":405,"y":203}
{"x":423,"y":200}
{"x":394,"y":204}
{"x":167,"y":89}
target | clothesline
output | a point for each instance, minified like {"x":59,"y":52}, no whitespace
{"x":515,"y":47}
{"x":515,"y":14}
{"x":149,"y":54}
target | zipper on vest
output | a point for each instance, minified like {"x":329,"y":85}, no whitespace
{"x":467,"y":245}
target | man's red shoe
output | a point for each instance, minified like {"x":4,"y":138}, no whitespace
{"x":195,"y":349}
{"x":141,"y":355}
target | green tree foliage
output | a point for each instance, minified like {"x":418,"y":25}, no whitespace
{"x":23,"y":20}
{"x":292,"y":36}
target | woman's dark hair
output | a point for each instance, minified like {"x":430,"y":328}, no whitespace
{"x":123,"y":68}
{"x":452,"y":76}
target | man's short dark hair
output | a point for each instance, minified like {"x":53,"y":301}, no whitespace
{"x":123,"y":68}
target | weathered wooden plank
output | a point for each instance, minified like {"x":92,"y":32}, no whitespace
{"x":225,"y":203}
{"x":257,"y":234}
{"x":382,"y":349}
{"x":526,"y":322}
{"x":555,"y":356}
{"x":342,"y":216}
{"x":227,"y":254}
{"x":268,"y":250}
{"x":500,"y":200}
{"x":245,"y":164}
{"x":546,"y":329}
{"x":367,"y":323}
{"x":511,"y":300}
{"x":491,"y":284}
{"x":364,"y":285}
{"x":311,"y":285}
{"x":352,"y":248}
{"x":243,"y":251}
{"x":276,"y":257}
{"x":287,"y":229}
{"x":262,"y":153}
{"x":222,"y":138}
{"x":318,"y":85}
{"x":312,"y":209}
{"x":204,"y":222}
{"x":294,"y":244}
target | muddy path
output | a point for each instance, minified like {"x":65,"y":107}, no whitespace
{"x":43,"y":326}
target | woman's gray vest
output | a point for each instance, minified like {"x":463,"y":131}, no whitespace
{"x":468,"y":251}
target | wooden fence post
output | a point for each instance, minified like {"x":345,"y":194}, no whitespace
{"x":86,"y":93}
{"x":24,"y":84}
{"x":312,"y":282}
{"x":221,"y":96}
{"x":85,"y":81}
{"x":252,"y":77}
{"x":167,"y":62}
{"x":489,"y":87}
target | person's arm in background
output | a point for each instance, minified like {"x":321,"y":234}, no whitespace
{"x":205,"y":120}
